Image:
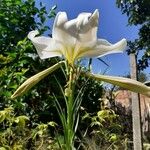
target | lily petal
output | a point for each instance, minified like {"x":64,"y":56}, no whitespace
{"x":83,"y":22}
{"x":108,"y":48}
{"x":103,"y":48}
{"x":94,"y":18}
{"x":88,"y":24}
{"x":61,"y":19}
{"x":45,"y":46}
{"x":29,"y":83}
{"x":104,"y":42}
{"x":83,"y":28}
{"x":86,"y":21}
{"x":126,"y":83}
{"x":59,"y":32}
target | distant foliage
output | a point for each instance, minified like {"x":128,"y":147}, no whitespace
{"x":105,"y":130}
{"x":19,"y":61}
{"x":17,"y":134}
{"x":18,"y":57}
{"x":138,"y":12}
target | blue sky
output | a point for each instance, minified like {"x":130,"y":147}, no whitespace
{"x":112,"y":26}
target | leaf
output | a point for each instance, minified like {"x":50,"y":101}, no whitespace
{"x":52,"y":124}
{"x":96,"y":123}
{"x":85,"y":116}
{"x":113,"y":137}
{"x":29,"y":83}
{"x":126,"y":83}
{"x":54,"y":7}
{"x":2,"y":148}
{"x":103,"y":113}
{"x":21,"y":120}
{"x":2,"y":116}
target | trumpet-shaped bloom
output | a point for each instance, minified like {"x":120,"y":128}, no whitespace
{"x":74,"y":39}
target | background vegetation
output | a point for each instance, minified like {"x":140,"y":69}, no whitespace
{"x":31,"y":121}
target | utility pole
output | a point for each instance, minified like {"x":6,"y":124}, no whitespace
{"x":136,"y":109}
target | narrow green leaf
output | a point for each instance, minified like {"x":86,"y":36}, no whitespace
{"x":76,"y":124}
{"x":126,"y":83}
{"x":61,"y":88}
{"x":62,"y":116}
{"x":60,"y":112}
{"x":78,"y":100}
{"x":29,"y":83}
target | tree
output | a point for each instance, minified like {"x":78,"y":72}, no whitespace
{"x":138,"y":13}
{"x":18,"y":57}
{"x":19,"y":61}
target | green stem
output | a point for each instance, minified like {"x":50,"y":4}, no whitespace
{"x":70,"y":119}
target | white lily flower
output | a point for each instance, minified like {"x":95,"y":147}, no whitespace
{"x":74,"y":39}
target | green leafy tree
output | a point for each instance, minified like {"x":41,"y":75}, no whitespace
{"x":19,"y":60}
{"x":18,"y":57}
{"x":138,"y":13}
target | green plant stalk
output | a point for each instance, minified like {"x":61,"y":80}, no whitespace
{"x":70,"y":113}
